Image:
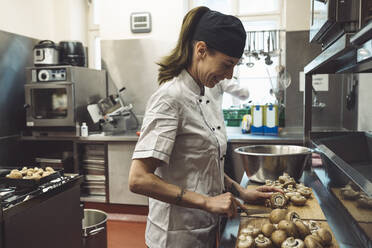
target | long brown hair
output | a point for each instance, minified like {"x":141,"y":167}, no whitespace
{"x":181,"y":56}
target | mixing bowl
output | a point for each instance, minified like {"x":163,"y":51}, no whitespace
{"x":268,"y":162}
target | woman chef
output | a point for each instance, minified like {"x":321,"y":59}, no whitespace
{"x":178,"y":160}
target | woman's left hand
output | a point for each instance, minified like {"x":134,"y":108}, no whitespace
{"x":258,"y":194}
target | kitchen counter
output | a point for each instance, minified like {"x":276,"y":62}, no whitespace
{"x":344,"y":227}
{"x":94,"y":137}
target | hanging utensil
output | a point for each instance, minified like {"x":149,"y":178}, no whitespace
{"x":254,"y":52}
{"x":268,"y":60}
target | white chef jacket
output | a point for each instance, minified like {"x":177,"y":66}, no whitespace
{"x":182,"y":129}
{"x":216,"y":93}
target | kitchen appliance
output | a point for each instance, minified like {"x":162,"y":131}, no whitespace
{"x":57,"y":96}
{"x":46,"y":52}
{"x":113,"y":113}
{"x":330,"y":19}
{"x":72,"y":53}
{"x":268,"y":162}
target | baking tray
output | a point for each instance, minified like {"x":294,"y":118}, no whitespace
{"x":28,"y":183}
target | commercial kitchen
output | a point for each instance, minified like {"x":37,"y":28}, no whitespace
{"x":75,"y":78}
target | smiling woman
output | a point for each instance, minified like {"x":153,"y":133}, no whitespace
{"x":255,"y":73}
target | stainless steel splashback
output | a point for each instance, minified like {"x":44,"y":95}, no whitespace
{"x":132,"y":64}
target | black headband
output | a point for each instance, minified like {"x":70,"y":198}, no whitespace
{"x":225,"y":33}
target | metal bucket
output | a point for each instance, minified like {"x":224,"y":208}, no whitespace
{"x":94,"y":229}
{"x":268,"y":162}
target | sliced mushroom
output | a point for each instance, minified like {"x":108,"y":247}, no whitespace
{"x":262,"y":242}
{"x":291,"y":242}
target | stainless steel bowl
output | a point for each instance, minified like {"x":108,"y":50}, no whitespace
{"x":268,"y":162}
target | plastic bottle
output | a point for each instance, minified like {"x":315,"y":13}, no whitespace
{"x":84,"y":130}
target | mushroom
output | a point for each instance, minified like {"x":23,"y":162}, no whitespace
{"x":302,"y":229}
{"x":262,"y":241}
{"x":292,"y":193}
{"x":293,"y":243}
{"x":277,"y":215}
{"x":364,"y":202}
{"x":313,"y":225}
{"x":289,"y":182}
{"x":292,"y":216}
{"x":289,"y":227}
{"x":324,"y":235}
{"x":283,"y":178}
{"x":312,"y":242}
{"x":298,"y":200}
{"x":277,"y":200}
{"x":247,"y":242}
{"x":269,"y":183}
{"x":349,"y":194}
{"x":305,"y":191}
{"x":278,"y":237}
{"x":250,"y":231}
{"x":267,"y":229}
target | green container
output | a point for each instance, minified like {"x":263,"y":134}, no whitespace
{"x":234,"y":117}
{"x":233,"y":122}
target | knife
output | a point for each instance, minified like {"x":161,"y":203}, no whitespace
{"x":250,"y":211}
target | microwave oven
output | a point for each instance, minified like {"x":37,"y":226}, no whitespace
{"x":57,"y":96}
{"x":330,"y":19}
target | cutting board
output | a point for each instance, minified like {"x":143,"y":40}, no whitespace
{"x":359,"y":214}
{"x":258,"y":222}
{"x":310,"y":211}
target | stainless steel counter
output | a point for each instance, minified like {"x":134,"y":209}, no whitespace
{"x":344,"y":227}
{"x":127,"y":136}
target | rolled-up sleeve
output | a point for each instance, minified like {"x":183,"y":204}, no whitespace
{"x":158,"y":132}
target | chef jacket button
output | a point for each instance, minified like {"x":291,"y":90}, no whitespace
{"x":207,"y":101}
{"x":221,"y":158}
{"x":218,"y":127}
{"x":200,"y":100}
{"x":213,"y":129}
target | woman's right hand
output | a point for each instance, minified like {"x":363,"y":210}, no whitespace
{"x":222,"y":204}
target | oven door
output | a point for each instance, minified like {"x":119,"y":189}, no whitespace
{"x":50,"y":104}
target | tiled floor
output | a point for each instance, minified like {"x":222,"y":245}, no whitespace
{"x":125,"y":234}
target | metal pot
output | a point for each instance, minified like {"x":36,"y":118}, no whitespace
{"x":94,"y":229}
{"x":268,"y":162}
{"x":46,"y":53}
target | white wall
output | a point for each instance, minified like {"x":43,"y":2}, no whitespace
{"x":45,"y":19}
{"x":297,"y":13}
{"x":364,"y":102}
{"x":166,"y":17}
